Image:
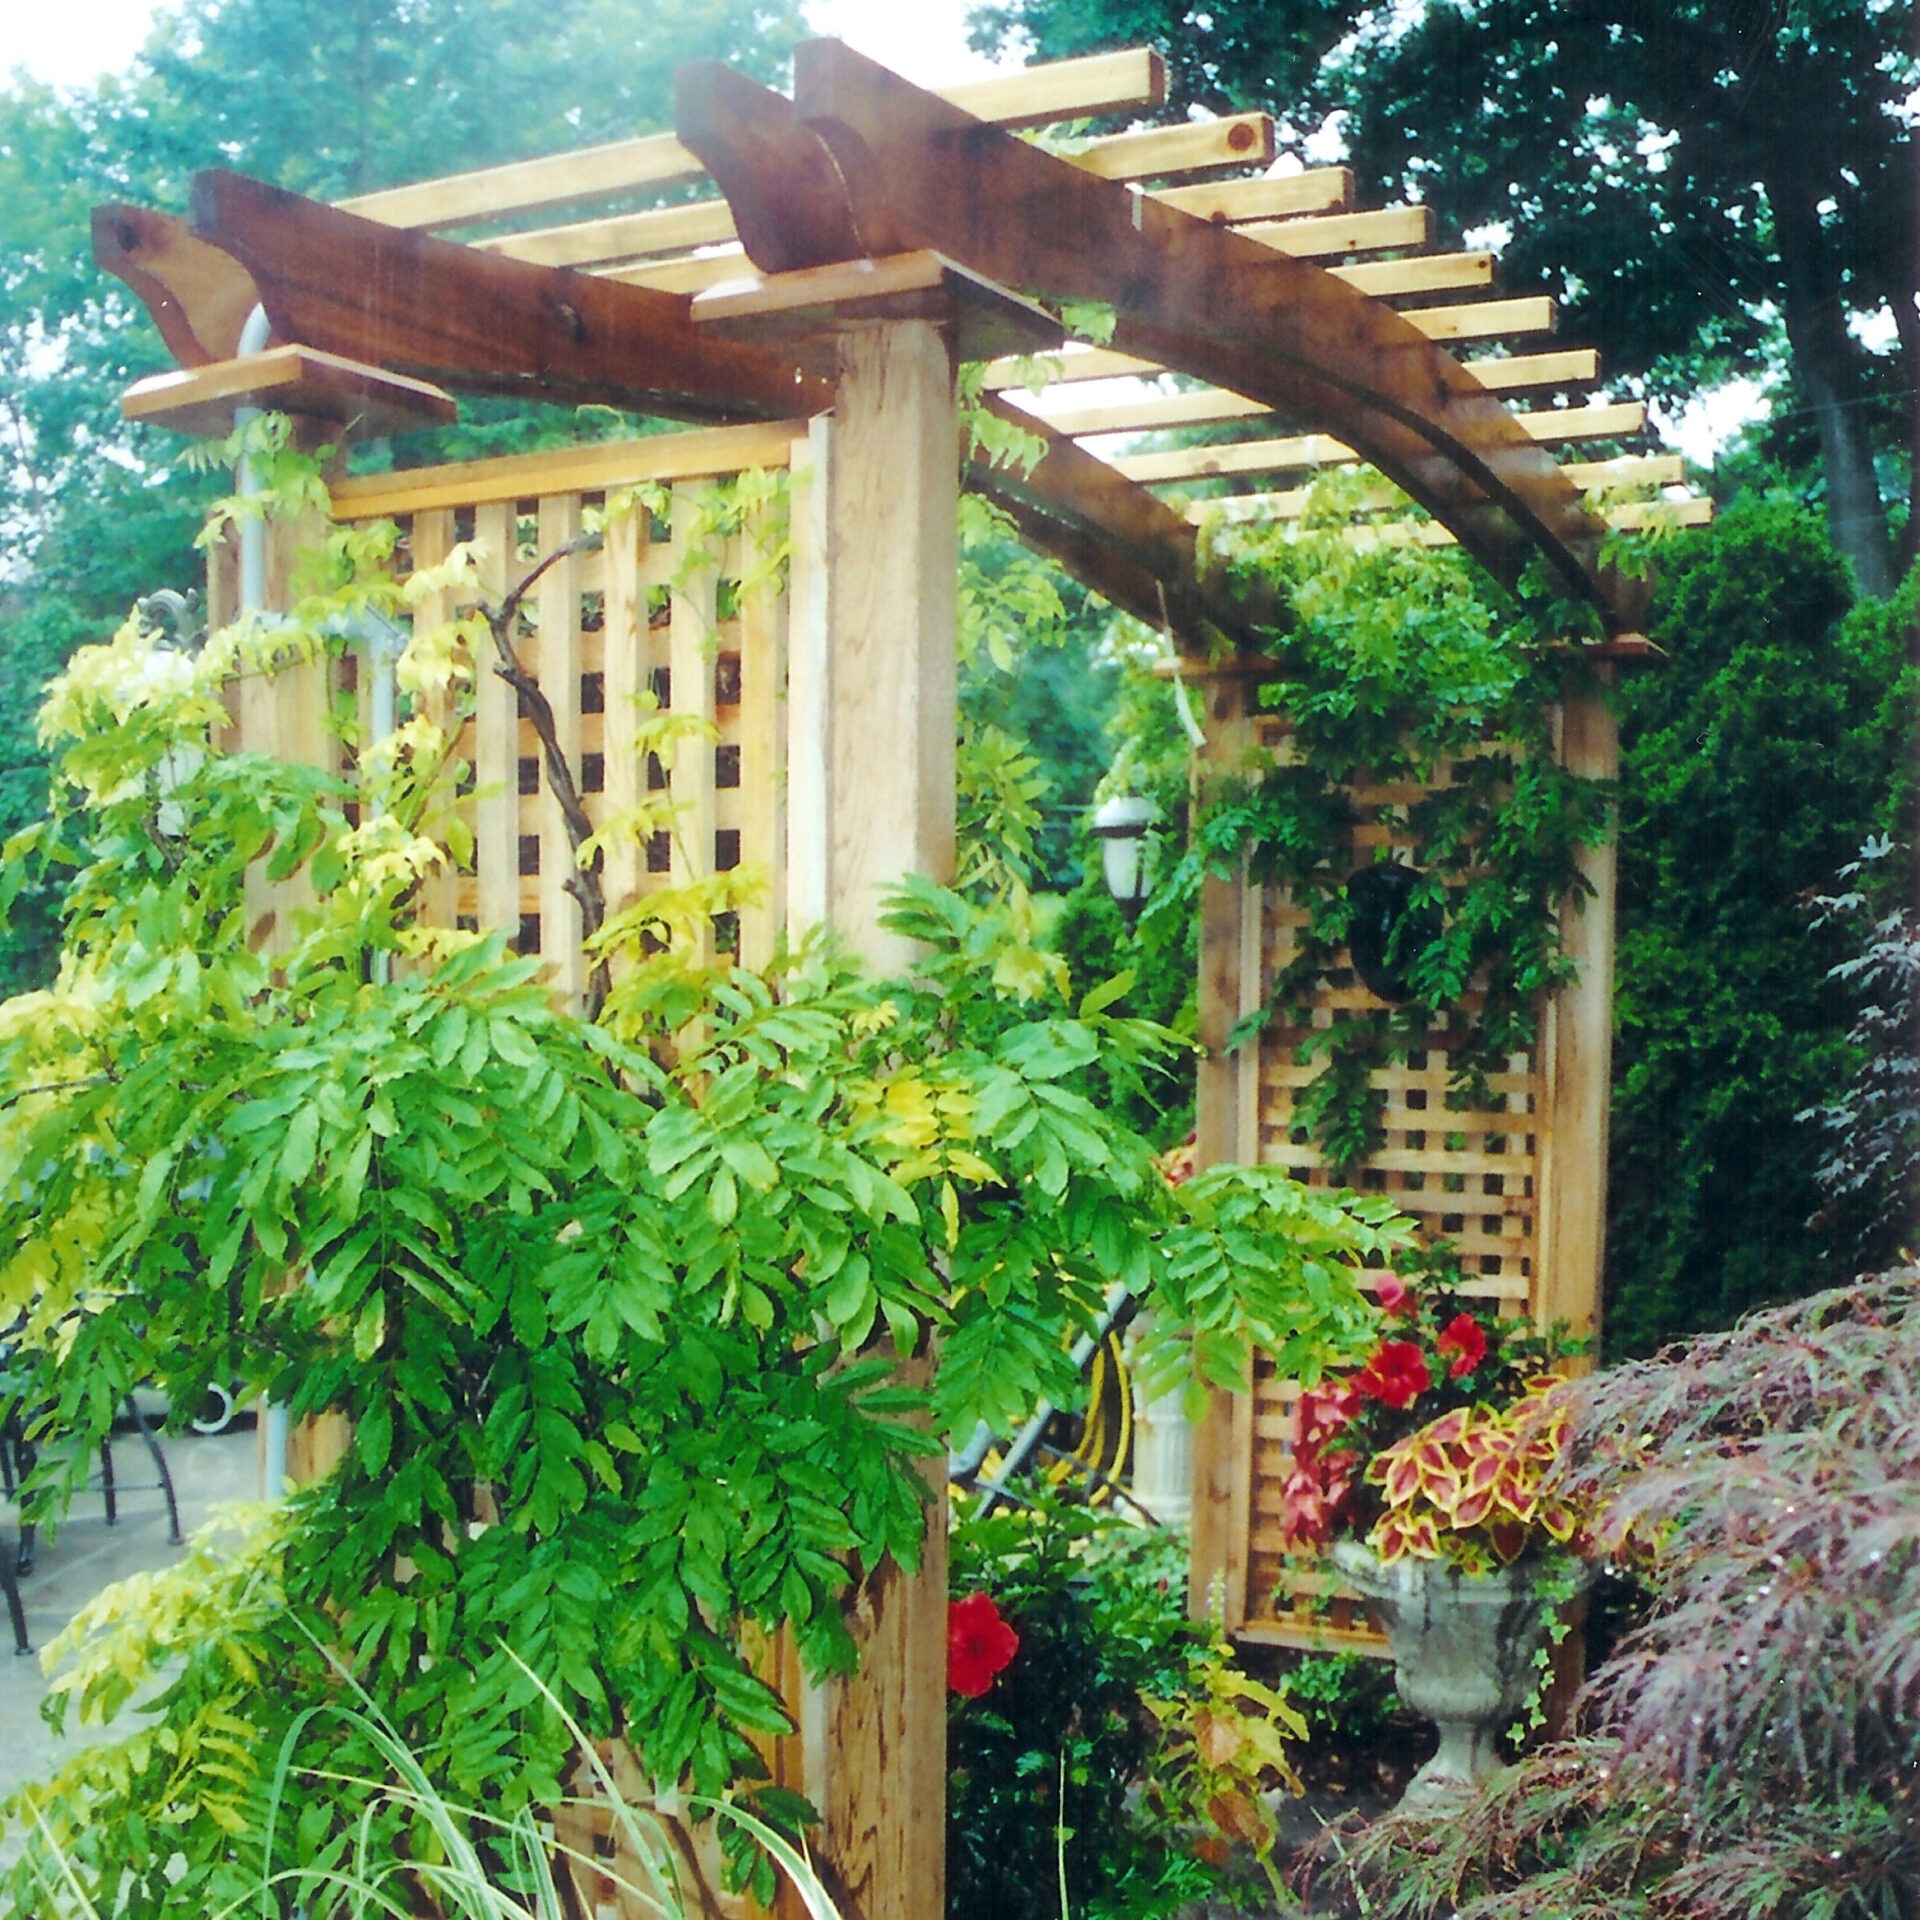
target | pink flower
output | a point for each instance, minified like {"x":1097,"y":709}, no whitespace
{"x":979,"y":1644}
{"x":1466,"y":1339}
{"x":1396,"y":1376}
{"x":1393,"y":1294}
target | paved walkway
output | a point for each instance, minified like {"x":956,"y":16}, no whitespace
{"x":208,"y":1471}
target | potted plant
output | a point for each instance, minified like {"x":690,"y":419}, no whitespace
{"x":1424,"y":1474}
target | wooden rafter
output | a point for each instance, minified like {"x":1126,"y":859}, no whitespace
{"x":601,"y":279}
{"x":447,"y":313}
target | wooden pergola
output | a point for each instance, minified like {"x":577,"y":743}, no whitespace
{"x":840,"y":252}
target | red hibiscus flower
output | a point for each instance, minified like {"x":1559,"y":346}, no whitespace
{"x":1396,"y":1376}
{"x":1393,"y":1293}
{"x":979,"y":1644}
{"x":1466,"y":1339}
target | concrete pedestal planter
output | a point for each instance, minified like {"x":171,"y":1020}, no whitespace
{"x":1463,"y":1647}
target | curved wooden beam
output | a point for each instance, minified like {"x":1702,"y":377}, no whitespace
{"x":482,"y":323}
{"x":1114,"y":536}
{"x":917,"y":172}
{"x":443,"y":312}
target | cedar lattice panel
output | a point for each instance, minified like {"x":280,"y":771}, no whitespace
{"x":639,"y":617}
{"x":1469,"y":1175}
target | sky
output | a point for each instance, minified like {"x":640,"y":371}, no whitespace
{"x":72,"y":42}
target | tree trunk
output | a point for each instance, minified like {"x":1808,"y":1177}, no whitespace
{"x":1826,"y":364}
{"x":1906,"y":323}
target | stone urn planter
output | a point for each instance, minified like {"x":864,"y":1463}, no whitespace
{"x":1463,"y":1646}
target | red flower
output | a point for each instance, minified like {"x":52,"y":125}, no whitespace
{"x":1466,"y":1339}
{"x":979,"y":1644}
{"x":1393,"y":1294}
{"x":1396,"y":1376}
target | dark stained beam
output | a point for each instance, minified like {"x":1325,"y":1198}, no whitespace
{"x":1125,"y":543}
{"x":916,"y":172}
{"x":198,"y":296}
{"x":482,"y":322}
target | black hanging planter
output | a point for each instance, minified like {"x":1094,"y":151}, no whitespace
{"x":1379,"y":902}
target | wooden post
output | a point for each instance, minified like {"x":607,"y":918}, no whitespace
{"x":1577,"y":1060}
{"x":1227,"y":1095}
{"x":871,"y":799}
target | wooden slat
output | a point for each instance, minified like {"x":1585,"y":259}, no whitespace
{"x":1091,"y":85}
{"x":1204,"y":408}
{"x":1270,"y":197}
{"x":691,"y":650}
{"x":1325,"y":236}
{"x":763,"y":759}
{"x":1429,"y":273}
{"x":1510,"y":373}
{"x":496,"y":741}
{"x":1059,"y":90}
{"x":691,"y":273}
{"x":1629,"y":516}
{"x":430,"y":541}
{"x":1485,"y":319}
{"x":558,"y":603}
{"x":1319,"y":450}
{"x":627,"y":238}
{"x":585,"y":469}
{"x":1149,"y":153}
{"x":624,"y":665}
{"x":1570,"y":367}
{"x":1072,"y":364}
{"x":529,"y":186}
{"x":621,"y":236}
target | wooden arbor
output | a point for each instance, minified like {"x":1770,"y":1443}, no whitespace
{"x":882,"y":231}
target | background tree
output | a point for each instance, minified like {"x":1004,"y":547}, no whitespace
{"x":1704,"y":185}
{"x":1755,"y":762}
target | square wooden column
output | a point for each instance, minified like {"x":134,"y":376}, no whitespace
{"x":1577,"y":1054}
{"x":873,"y":718}
{"x":872,"y":671}
{"x":871,"y":797}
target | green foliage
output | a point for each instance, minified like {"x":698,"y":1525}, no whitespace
{"x":475,"y":1866}
{"x":94,"y":512}
{"x":1095,"y":1759}
{"x":614,"y":1309}
{"x":1756,"y":760}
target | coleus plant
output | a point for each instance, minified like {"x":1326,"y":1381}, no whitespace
{"x":1472,"y":1487}
{"x":1431,"y":1445}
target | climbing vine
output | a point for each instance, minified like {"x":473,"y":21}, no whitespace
{"x":1402,"y":670}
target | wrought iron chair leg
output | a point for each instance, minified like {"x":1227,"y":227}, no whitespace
{"x":160,"y":1467}
{"x":15,"y":1611}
